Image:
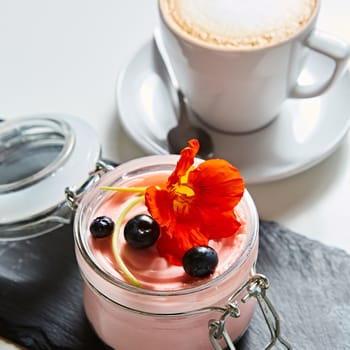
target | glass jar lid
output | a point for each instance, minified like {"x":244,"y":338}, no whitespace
{"x":40,"y":156}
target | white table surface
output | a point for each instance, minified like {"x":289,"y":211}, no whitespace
{"x":64,"y":56}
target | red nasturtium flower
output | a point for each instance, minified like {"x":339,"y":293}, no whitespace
{"x":196,"y":204}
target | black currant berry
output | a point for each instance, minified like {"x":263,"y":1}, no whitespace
{"x":102,"y":226}
{"x":200,"y":261}
{"x":142,"y":231}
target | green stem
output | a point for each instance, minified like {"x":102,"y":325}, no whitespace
{"x":127,"y":274}
{"x":140,"y":190}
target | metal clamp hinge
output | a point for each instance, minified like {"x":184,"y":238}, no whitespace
{"x":256,"y":287}
{"x":73,"y":195}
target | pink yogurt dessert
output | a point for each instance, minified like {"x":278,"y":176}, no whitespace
{"x":169,"y":309}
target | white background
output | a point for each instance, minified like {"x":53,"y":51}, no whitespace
{"x":65,"y":55}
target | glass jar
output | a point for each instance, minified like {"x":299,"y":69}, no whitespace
{"x":127,"y":317}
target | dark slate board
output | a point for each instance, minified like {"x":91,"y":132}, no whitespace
{"x":41,"y":305}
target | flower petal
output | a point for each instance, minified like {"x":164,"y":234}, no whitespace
{"x":217,"y":183}
{"x":185,"y":161}
{"x":216,"y":224}
{"x":159,"y":205}
{"x":173,"y":245}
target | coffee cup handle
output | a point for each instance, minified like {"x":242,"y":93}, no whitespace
{"x":331,"y":47}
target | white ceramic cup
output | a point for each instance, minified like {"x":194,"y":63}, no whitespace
{"x":242,"y":89}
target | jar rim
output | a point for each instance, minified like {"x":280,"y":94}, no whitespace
{"x":121,"y":171}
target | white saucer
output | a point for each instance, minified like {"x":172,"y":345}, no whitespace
{"x":305,"y":132}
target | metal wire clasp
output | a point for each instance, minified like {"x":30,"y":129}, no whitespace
{"x":256,"y":287}
{"x":73,"y":195}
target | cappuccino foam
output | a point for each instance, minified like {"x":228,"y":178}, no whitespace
{"x":238,"y":23}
